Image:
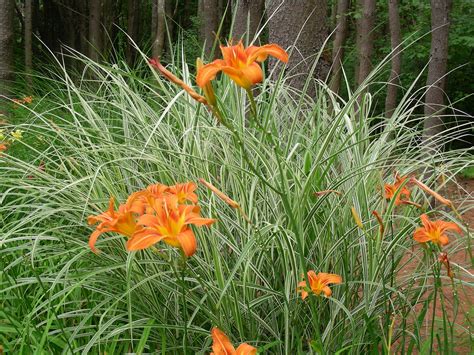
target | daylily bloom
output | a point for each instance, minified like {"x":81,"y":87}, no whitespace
{"x":184,"y":192}
{"x":221,"y":345}
{"x":207,"y":89}
{"x":3,"y":147}
{"x":169,"y":223}
{"x":122,"y":221}
{"x":318,"y":283}
{"x":434,"y":231}
{"x":402,"y":198}
{"x":240,"y":64}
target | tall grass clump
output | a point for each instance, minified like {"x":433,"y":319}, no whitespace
{"x":116,"y":132}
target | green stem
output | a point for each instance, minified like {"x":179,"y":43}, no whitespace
{"x":185,"y":308}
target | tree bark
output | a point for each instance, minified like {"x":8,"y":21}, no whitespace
{"x":208,"y":15}
{"x":339,"y":43}
{"x":303,"y":30}
{"x":158,"y":27}
{"x":365,"y":39}
{"x":95,"y":38}
{"x":28,"y":41}
{"x":395,"y":40}
{"x":133,"y":20}
{"x":248,"y":16}
{"x":6,"y":48}
{"x":434,"y":98}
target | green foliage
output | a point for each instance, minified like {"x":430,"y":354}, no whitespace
{"x":118,"y":132}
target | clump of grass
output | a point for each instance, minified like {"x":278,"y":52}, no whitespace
{"x":117,"y":133}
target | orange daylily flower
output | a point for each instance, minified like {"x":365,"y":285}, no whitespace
{"x":174,"y":79}
{"x":318,"y":283}
{"x":170,"y":223}
{"x":434,"y":231}
{"x":402,"y":198}
{"x":221,"y":345}
{"x":240,"y":64}
{"x":3,"y":147}
{"x":122,"y":221}
{"x":207,"y":89}
{"x":184,"y":192}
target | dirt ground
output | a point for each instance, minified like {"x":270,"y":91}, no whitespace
{"x":462,"y":194}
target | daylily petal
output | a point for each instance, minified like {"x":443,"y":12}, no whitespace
{"x":443,"y":239}
{"x":142,"y":240}
{"x":93,"y":239}
{"x":208,"y":72}
{"x":253,"y":73}
{"x":148,"y":220}
{"x":259,"y":54}
{"x":421,"y":236}
{"x":446,"y":226}
{"x":221,"y":344}
{"x":327,"y":291}
{"x":330,"y":278}
{"x":245,"y":349}
{"x":187,"y":241}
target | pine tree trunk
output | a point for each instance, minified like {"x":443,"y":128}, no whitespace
{"x":95,"y":38}
{"x":395,"y":40}
{"x":365,"y":39}
{"x":208,"y":15}
{"x":248,"y":16}
{"x":158,"y":27}
{"x":133,"y":20}
{"x":28,"y":41}
{"x":302,"y":29}
{"x":434,"y":98}
{"x":339,"y":43}
{"x":6,"y":49}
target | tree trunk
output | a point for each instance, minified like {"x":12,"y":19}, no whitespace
{"x":208,"y":15}
{"x":434,"y":97}
{"x":248,"y":16}
{"x":365,"y":39}
{"x":339,"y":43}
{"x":395,"y":40}
{"x":6,"y":48}
{"x":95,"y":38}
{"x":28,"y":41}
{"x":301,"y":29}
{"x":83,"y":27}
{"x":133,"y":20}
{"x":158,"y":27}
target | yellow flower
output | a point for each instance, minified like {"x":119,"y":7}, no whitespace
{"x":17,"y":134}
